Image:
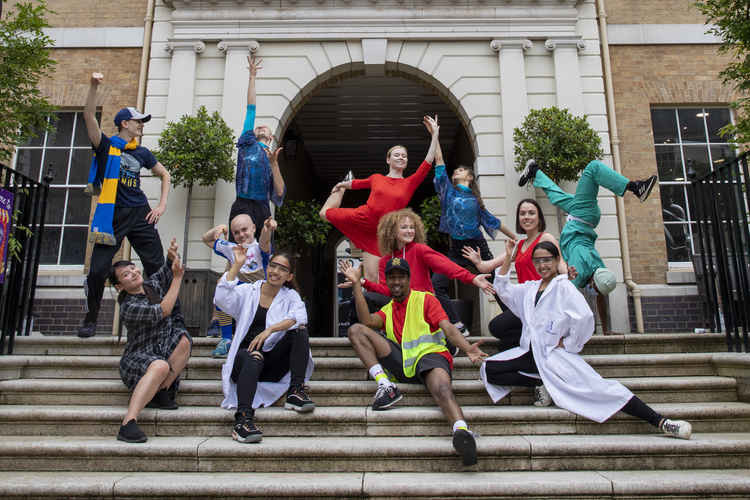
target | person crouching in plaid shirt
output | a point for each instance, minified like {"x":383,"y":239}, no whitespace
{"x":158,"y":344}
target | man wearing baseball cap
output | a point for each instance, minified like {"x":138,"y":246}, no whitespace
{"x":413,"y":349}
{"x":122,"y":209}
{"x":578,"y":237}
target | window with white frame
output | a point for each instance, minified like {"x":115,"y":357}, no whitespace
{"x":67,"y":152}
{"x":686,"y":139}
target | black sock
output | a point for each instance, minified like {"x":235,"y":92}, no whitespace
{"x":632,"y":186}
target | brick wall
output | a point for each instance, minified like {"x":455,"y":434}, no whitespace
{"x":96,"y":13}
{"x":670,"y":314}
{"x":644,"y":76}
{"x":652,"y":12}
{"x":69,"y":84}
{"x":63,"y":316}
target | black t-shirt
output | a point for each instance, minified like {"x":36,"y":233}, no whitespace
{"x":129,"y":192}
{"x":257,"y":326}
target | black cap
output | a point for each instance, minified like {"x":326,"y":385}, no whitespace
{"x":397,"y":263}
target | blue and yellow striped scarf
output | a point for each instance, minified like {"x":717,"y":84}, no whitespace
{"x":103,"y":182}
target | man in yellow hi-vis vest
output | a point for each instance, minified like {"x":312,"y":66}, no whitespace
{"x":413,"y":349}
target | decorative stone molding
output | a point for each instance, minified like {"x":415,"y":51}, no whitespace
{"x":511,"y":43}
{"x":196,"y":46}
{"x":554,"y":43}
{"x":251,"y":46}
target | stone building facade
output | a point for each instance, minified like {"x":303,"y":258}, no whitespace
{"x":487,"y":63}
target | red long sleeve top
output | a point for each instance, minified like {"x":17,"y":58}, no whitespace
{"x":422,"y":259}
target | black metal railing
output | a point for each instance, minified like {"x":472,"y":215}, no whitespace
{"x":721,"y":256}
{"x":25,"y":223}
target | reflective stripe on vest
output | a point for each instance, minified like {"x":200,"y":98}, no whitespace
{"x":416,"y":337}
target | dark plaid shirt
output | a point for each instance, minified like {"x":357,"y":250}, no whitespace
{"x":150,"y":336}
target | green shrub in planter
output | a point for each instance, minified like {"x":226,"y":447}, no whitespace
{"x":562,"y":144}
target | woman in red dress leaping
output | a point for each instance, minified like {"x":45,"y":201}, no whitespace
{"x":387,"y":193}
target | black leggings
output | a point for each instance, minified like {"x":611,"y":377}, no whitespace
{"x":507,"y":327}
{"x":291,"y":353}
{"x":507,"y":373}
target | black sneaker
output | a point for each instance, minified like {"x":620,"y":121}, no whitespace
{"x":87,"y":329}
{"x":385,"y":397}
{"x":298,"y":400}
{"x":643,"y":188}
{"x":528,"y":173}
{"x":163,"y":400}
{"x":244,"y":429}
{"x":454,"y":350}
{"x":131,"y":433}
{"x":465,"y":445}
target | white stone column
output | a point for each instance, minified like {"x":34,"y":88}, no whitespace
{"x":233,"y":106}
{"x":567,"y":73}
{"x":180,"y":102}
{"x":515,"y":107}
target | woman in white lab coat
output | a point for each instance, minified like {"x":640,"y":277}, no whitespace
{"x":557,"y":323}
{"x":270,"y":353}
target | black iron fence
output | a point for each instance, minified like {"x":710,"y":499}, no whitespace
{"x":23,"y":203}
{"x":722,"y":249}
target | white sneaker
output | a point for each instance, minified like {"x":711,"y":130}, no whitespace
{"x":541,"y":396}
{"x":677,"y":428}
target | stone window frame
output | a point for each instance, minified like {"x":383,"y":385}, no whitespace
{"x":709,"y":146}
{"x":69,"y":152}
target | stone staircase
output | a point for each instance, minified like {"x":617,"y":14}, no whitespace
{"x":61,"y":403}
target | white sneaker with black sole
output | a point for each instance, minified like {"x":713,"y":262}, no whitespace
{"x":541,"y":396}
{"x":677,"y":428}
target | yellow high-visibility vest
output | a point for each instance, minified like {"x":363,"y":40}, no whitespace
{"x":416,"y":337}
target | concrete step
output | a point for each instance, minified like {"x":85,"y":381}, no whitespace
{"x":347,"y":368}
{"x":22,"y":420}
{"x":374,"y":454}
{"x":348,"y":393}
{"x":593,"y":484}
{"x":633,"y":343}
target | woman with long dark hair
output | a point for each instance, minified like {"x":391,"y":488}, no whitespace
{"x":529,"y":221}
{"x":270,"y":353}
{"x":557,"y":323}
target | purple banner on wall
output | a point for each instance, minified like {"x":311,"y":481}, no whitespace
{"x":6,"y":214}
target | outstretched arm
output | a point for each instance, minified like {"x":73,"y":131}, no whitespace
{"x":213,"y":234}
{"x":269,"y":226}
{"x":354,"y":275}
{"x":483,"y":266}
{"x":432,"y":126}
{"x":278,"y":181}
{"x":253,"y":64}
{"x":89,"y":112}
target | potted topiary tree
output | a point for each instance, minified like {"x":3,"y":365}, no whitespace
{"x":562,"y":144}
{"x":197,"y":150}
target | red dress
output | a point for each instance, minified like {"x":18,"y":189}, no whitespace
{"x":387,"y":194}
{"x":525,"y":270}
{"x":422,"y":259}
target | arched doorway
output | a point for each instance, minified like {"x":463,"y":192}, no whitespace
{"x":348,"y":123}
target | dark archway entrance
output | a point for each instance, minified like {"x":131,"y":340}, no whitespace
{"x":349,"y":124}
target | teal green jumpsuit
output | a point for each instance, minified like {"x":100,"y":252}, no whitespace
{"x":577,"y":238}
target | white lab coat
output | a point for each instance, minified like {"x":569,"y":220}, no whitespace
{"x":240,"y":300}
{"x":561,"y":312}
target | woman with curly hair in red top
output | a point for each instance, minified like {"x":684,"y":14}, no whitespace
{"x":388,"y":192}
{"x":401,"y":234}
